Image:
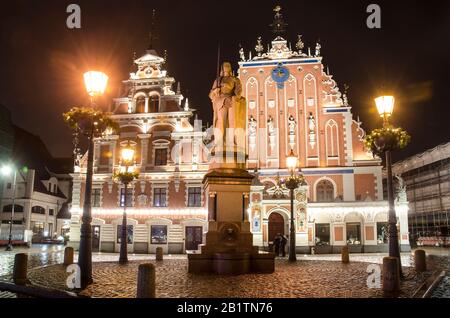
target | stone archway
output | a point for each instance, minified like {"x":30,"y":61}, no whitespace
{"x":276,"y":225}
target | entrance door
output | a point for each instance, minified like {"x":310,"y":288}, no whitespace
{"x":276,"y":225}
{"x":95,"y":238}
{"x":194,"y":237}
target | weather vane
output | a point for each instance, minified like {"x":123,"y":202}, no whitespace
{"x":278,"y":25}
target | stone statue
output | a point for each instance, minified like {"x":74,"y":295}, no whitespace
{"x":270,"y":126}
{"x":252,"y":126}
{"x":241,"y":54}
{"x":311,"y":123}
{"x":292,"y":124}
{"x":318,"y":47}
{"x":228,"y":104}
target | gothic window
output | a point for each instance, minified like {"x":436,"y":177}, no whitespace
{"x":194,"y":197}
{"x":129,"y":197}
{"x":96,"y":194}
{"x":154,"y":104}
{"x":332,"y":139}
{"x":325,"y":191}
{"x":159,"y":197}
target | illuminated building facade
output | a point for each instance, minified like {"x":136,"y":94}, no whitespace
{"x":292,"y":104}
{"x":166,"y":206}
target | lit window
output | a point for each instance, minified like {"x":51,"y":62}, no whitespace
{"x":37,"y":227}
{"x":195,"y":197}
{"x":159,"y":197}
{"x":129,"y":197}
{"x":129,"y":234}
{"x":322,"y":234}
{"x":96,"y":198}
{"x":325,"y":191}
{"x":353,"y":233}
{"x":154,"y":104}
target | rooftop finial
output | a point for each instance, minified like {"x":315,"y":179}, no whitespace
{"x":299,"y":45}
{"x":259,"y":48}
{"x":278,"y":25}
{"x":152,"y":31}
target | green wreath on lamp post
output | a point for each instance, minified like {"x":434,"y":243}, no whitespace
{"x":90,"y":121}
{"x":387,"y":138}
{"x":125,"y":177}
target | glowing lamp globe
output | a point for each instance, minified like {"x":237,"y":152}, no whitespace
{"x":127,"y":154}
{"x":385,"y":105}
{"x":6,"y":170}
{"x":291,"y":161}
{"x":95,"y":83}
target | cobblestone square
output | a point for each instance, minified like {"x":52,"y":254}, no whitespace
{"x":312,"y":276}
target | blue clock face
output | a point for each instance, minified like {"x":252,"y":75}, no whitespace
{"x":280,"y":74}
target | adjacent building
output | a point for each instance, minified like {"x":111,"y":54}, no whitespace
{"x":6,"y":139}
{"x":41,"y":195}
{"x":426,"y":177}
{"x":293,"y":104}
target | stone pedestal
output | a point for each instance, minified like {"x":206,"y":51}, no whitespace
{"x":228,"y":247}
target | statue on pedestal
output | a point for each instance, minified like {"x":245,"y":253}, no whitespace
{"x":228,"y":105}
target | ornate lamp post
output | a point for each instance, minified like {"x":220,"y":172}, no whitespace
{"x":6,"y":171}
{"x":385,"y":107}
{"x":95,"y":83}
{"x":292,"y":183}
{"x":384,"y":141}
{"x":125,"y":176}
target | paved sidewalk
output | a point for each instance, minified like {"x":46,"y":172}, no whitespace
{"x":311,"y":276}
{"x":302,"y":279}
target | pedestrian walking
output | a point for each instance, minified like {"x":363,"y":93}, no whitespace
{"x":276,"y":244}
{"x":283,"y":241}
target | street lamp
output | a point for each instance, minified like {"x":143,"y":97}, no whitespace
{"x":125,"y":177}
{"x":385,"y":107}
{"x":292,"y":183}
{"x":7,"y":170}
{"x":95,"y":83}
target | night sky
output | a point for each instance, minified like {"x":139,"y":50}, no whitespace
{"x":42,"y":61}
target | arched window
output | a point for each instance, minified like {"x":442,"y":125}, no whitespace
{"x":325,"y":191}
{"x":38,"y":209}
{"x":140,"y":105}
{"x":17,"y":208}
{"x":154,"y":104}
